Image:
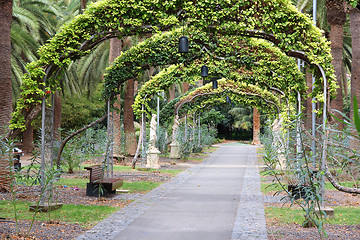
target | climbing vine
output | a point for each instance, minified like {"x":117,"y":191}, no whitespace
{"x":250,"y":60}
{"x":274,"y":20}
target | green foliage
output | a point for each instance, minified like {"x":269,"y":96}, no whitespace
{"x":163,"y":140}
{"x":244,"y":93}
{"x":276,"y":20}
{"x":79,"y":110}
{"x":71,"y":156}
{"x":243,"y":117}
{"x":212,"y":117}
{"x":193,"y":139}
{"x":266,"y":67}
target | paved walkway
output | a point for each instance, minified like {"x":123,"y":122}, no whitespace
{"x":219,"y":199}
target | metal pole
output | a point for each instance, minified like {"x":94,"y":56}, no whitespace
{"x":324,"y":156}
{"x":185,"y":131}
{"x":199,"y":130}
{"x":298,"y":128}
{"x":158,"y":117}
{"x":298,"y":131}
{"x":143,"y":135}
{"x":313,"y":105}
{"x":110,"y":133}
{"x":42,"y":155}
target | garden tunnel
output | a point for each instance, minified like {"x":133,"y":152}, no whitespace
{"x":276,"y":21}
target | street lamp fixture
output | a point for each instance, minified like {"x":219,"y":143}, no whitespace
{"x":204,"y":71}
{"x":183,"y":45}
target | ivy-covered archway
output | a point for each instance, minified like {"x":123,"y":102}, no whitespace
{"x":274,"y":20}
{"x":244,"y":93}
{"x":257,"y":60}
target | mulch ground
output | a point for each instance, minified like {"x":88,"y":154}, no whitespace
{"x":70,"y":195}
{"x":294,"y":231}
{"x":297,"y":232}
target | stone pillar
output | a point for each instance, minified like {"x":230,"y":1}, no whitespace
{"x":152,"y":160}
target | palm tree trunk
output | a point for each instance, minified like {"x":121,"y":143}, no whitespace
{"x":256,"y":127}
{"x":355,"y":37}
{"x":5,"y":83}
{"x":5,"y":63}
{"x":114,"y":52}
{"x":336,"y":16}
{"x":354,"y":14}
{"x":129,"y":128}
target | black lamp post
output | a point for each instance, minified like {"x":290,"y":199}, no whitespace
{"x":183,"y":45}
{"x":204,"y":71}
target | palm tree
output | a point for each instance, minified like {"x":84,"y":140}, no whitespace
{"x":354,"y":14}
{"x":130,"y":137}
{"x":5,"y":82}
{"x":336,"y":16}
{"x":34,"y":21}
{"x":242,"y":117}
{"x":114,"y":52}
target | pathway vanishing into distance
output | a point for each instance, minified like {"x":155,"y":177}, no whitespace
{"x":219,"y":199}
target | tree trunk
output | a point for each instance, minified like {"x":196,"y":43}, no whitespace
{"x":336,"y":16}
{"x":256,"y":127}
{"x":172,"y":93}
{"x":186,"y":86}
{"x":114,"y":52}
{"x":129,"y":129}
{"x":82,"y":5}
{"x":28,"y":138}
{"x":355,"y":66}
{"x":5,"y":83}
{"x":5,"y":63}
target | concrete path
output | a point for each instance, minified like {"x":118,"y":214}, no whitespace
{"x":220,"y":199}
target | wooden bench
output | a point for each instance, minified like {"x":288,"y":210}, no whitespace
{"x":100,"y":186}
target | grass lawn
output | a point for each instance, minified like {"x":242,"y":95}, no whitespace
{"x":142,"y":186}
{"x":85,"y":215}
{"x":343,"y":215}
{"x":329,"y":186}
